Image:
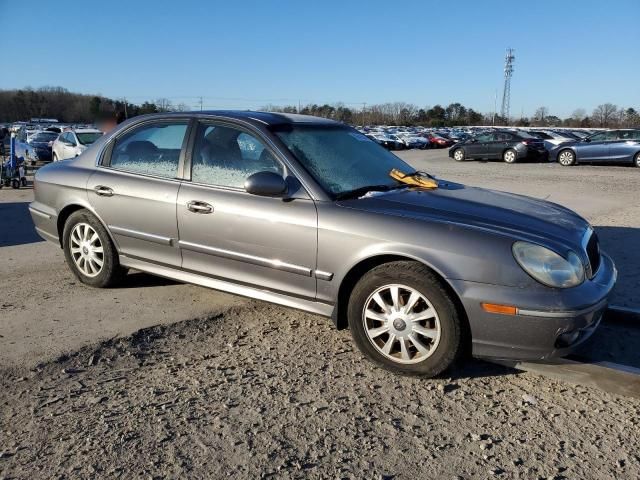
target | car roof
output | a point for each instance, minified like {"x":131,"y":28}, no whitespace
{"x":85,"y":130}
{"x":267,"y":118}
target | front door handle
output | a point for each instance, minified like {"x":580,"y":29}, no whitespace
{"x":196,"y":206}
{"x":103,"y":191}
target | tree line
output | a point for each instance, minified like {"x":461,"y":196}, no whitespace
{"x":70,"y":107}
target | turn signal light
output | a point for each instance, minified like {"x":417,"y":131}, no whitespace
{"x":503,"y":309}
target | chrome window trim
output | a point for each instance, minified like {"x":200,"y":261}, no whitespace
{"x":243,"y":257}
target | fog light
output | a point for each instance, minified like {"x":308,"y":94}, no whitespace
{"x":567,"y":338}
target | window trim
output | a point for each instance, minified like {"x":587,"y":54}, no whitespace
{"x":188,"y":164}
{"x":104,"y":160}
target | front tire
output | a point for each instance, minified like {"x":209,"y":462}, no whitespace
{"x":510,"y":156}
{"x":636,"y":160}
{"x":458,"y":155}
{"x":89,"y":251}
{"x":54,"y":158}
{"x":403,"y":320}
{"x":566,"y":158}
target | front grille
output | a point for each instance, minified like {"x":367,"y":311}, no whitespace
{"x":593,"y":252}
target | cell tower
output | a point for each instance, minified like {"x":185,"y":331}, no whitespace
{"x":509,"y":60}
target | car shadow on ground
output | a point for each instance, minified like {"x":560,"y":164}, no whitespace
{"x":621,"y":244}
{"x":142,"y":279}
{"x":16,"y":227}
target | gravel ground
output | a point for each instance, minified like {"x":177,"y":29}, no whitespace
{"x":214,"y":385}
{"x":261,"y":391}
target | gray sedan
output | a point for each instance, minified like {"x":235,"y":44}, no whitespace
{"x":311,"y":214}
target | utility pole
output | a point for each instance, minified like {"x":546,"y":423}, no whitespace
{"x":509,"y":60}
{"x":126,"y":115}
{"x":200,"y":103}
{"x":495,"y":106}
{"x":364,"y":107}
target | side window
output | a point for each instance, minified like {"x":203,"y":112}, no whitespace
{"x":503,"y":137}
{"x":226,"y":156}
{"x":151,"y":150}
{"x":485,"y":137}
{"x":611,"y":135}
{"x":71,"y":138}
{"x":598,"y":137}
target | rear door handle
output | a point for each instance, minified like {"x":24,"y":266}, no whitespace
{"x":196,"y":206}
{"x":103,"y":191}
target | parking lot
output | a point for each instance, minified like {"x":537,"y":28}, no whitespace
{"x":222,"y":384}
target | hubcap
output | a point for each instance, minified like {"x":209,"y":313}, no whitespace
{"x":458,"y":155}
{"x":401,"y":324}
{"x":509,"y":157}
{"x":86,"y":249}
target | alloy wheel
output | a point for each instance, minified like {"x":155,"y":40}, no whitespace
{"x":401,"y":324}
{"x":86,"y":249}
{"x":566,"y":158}
{"x":458,"y":155}
{"x":509,"y":156}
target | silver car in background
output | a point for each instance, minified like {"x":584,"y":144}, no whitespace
{"x":72,"y":143}
{"x":611,"y":146}
{"x":311,"y":214}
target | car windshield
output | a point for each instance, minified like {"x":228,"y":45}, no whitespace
{"x":45,"y":137}
{"x":341,"y":159}
{"x":87,"y":138}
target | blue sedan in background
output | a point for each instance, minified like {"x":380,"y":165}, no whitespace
{"x":619,"y":146}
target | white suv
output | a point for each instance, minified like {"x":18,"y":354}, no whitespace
{"x":72,"y":143}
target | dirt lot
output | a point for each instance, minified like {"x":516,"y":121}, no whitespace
{"x":259,"y":390}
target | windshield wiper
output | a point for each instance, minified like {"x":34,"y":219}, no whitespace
{"x":360,"y":191}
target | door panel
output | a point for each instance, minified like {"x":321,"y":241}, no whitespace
{"x":260,"y":241}
{"x":136,"y":189}
{"x":478,"y":149}
{"x":141,"y":214}
{"x":228,"y":233}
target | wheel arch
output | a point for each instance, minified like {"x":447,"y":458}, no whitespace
{"x":339,"y":315}
{"x":68,"y":210}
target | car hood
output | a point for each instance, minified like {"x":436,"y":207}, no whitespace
{"x":503,"y":213}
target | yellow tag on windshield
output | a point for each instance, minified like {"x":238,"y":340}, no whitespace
{"x":420,"y":181}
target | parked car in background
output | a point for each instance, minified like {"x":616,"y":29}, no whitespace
{"x":611,"y":146}
{"x":73,"y":142}
{"x":438,"y":141}
{"x":501,"y":144}
{"x":34,"y":146}
{"x":414,"y":141}
{"x":308,"y":213}
{"x":383,"y":140}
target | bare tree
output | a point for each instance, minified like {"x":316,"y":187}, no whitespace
{"x":604,"y":114}
{"x":540,"y":117}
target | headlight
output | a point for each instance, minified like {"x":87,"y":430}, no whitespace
{"x":547,"y":267}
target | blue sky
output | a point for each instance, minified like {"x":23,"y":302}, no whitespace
{"x":245,"y":54}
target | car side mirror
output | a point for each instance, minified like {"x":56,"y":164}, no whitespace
{"x":586,"y":140}
{"x":265,"y":184}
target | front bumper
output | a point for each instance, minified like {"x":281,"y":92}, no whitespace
{"x":549,"y":323}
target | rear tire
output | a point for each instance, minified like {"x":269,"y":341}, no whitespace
{"x":89,"y":251}
{"x":636,"y":160}
{"x":54,"y":157}
{"x":392,"y":334}
{"x":567,"y":158}
{"x":510,"y":156}
{"x":459,"y":155}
